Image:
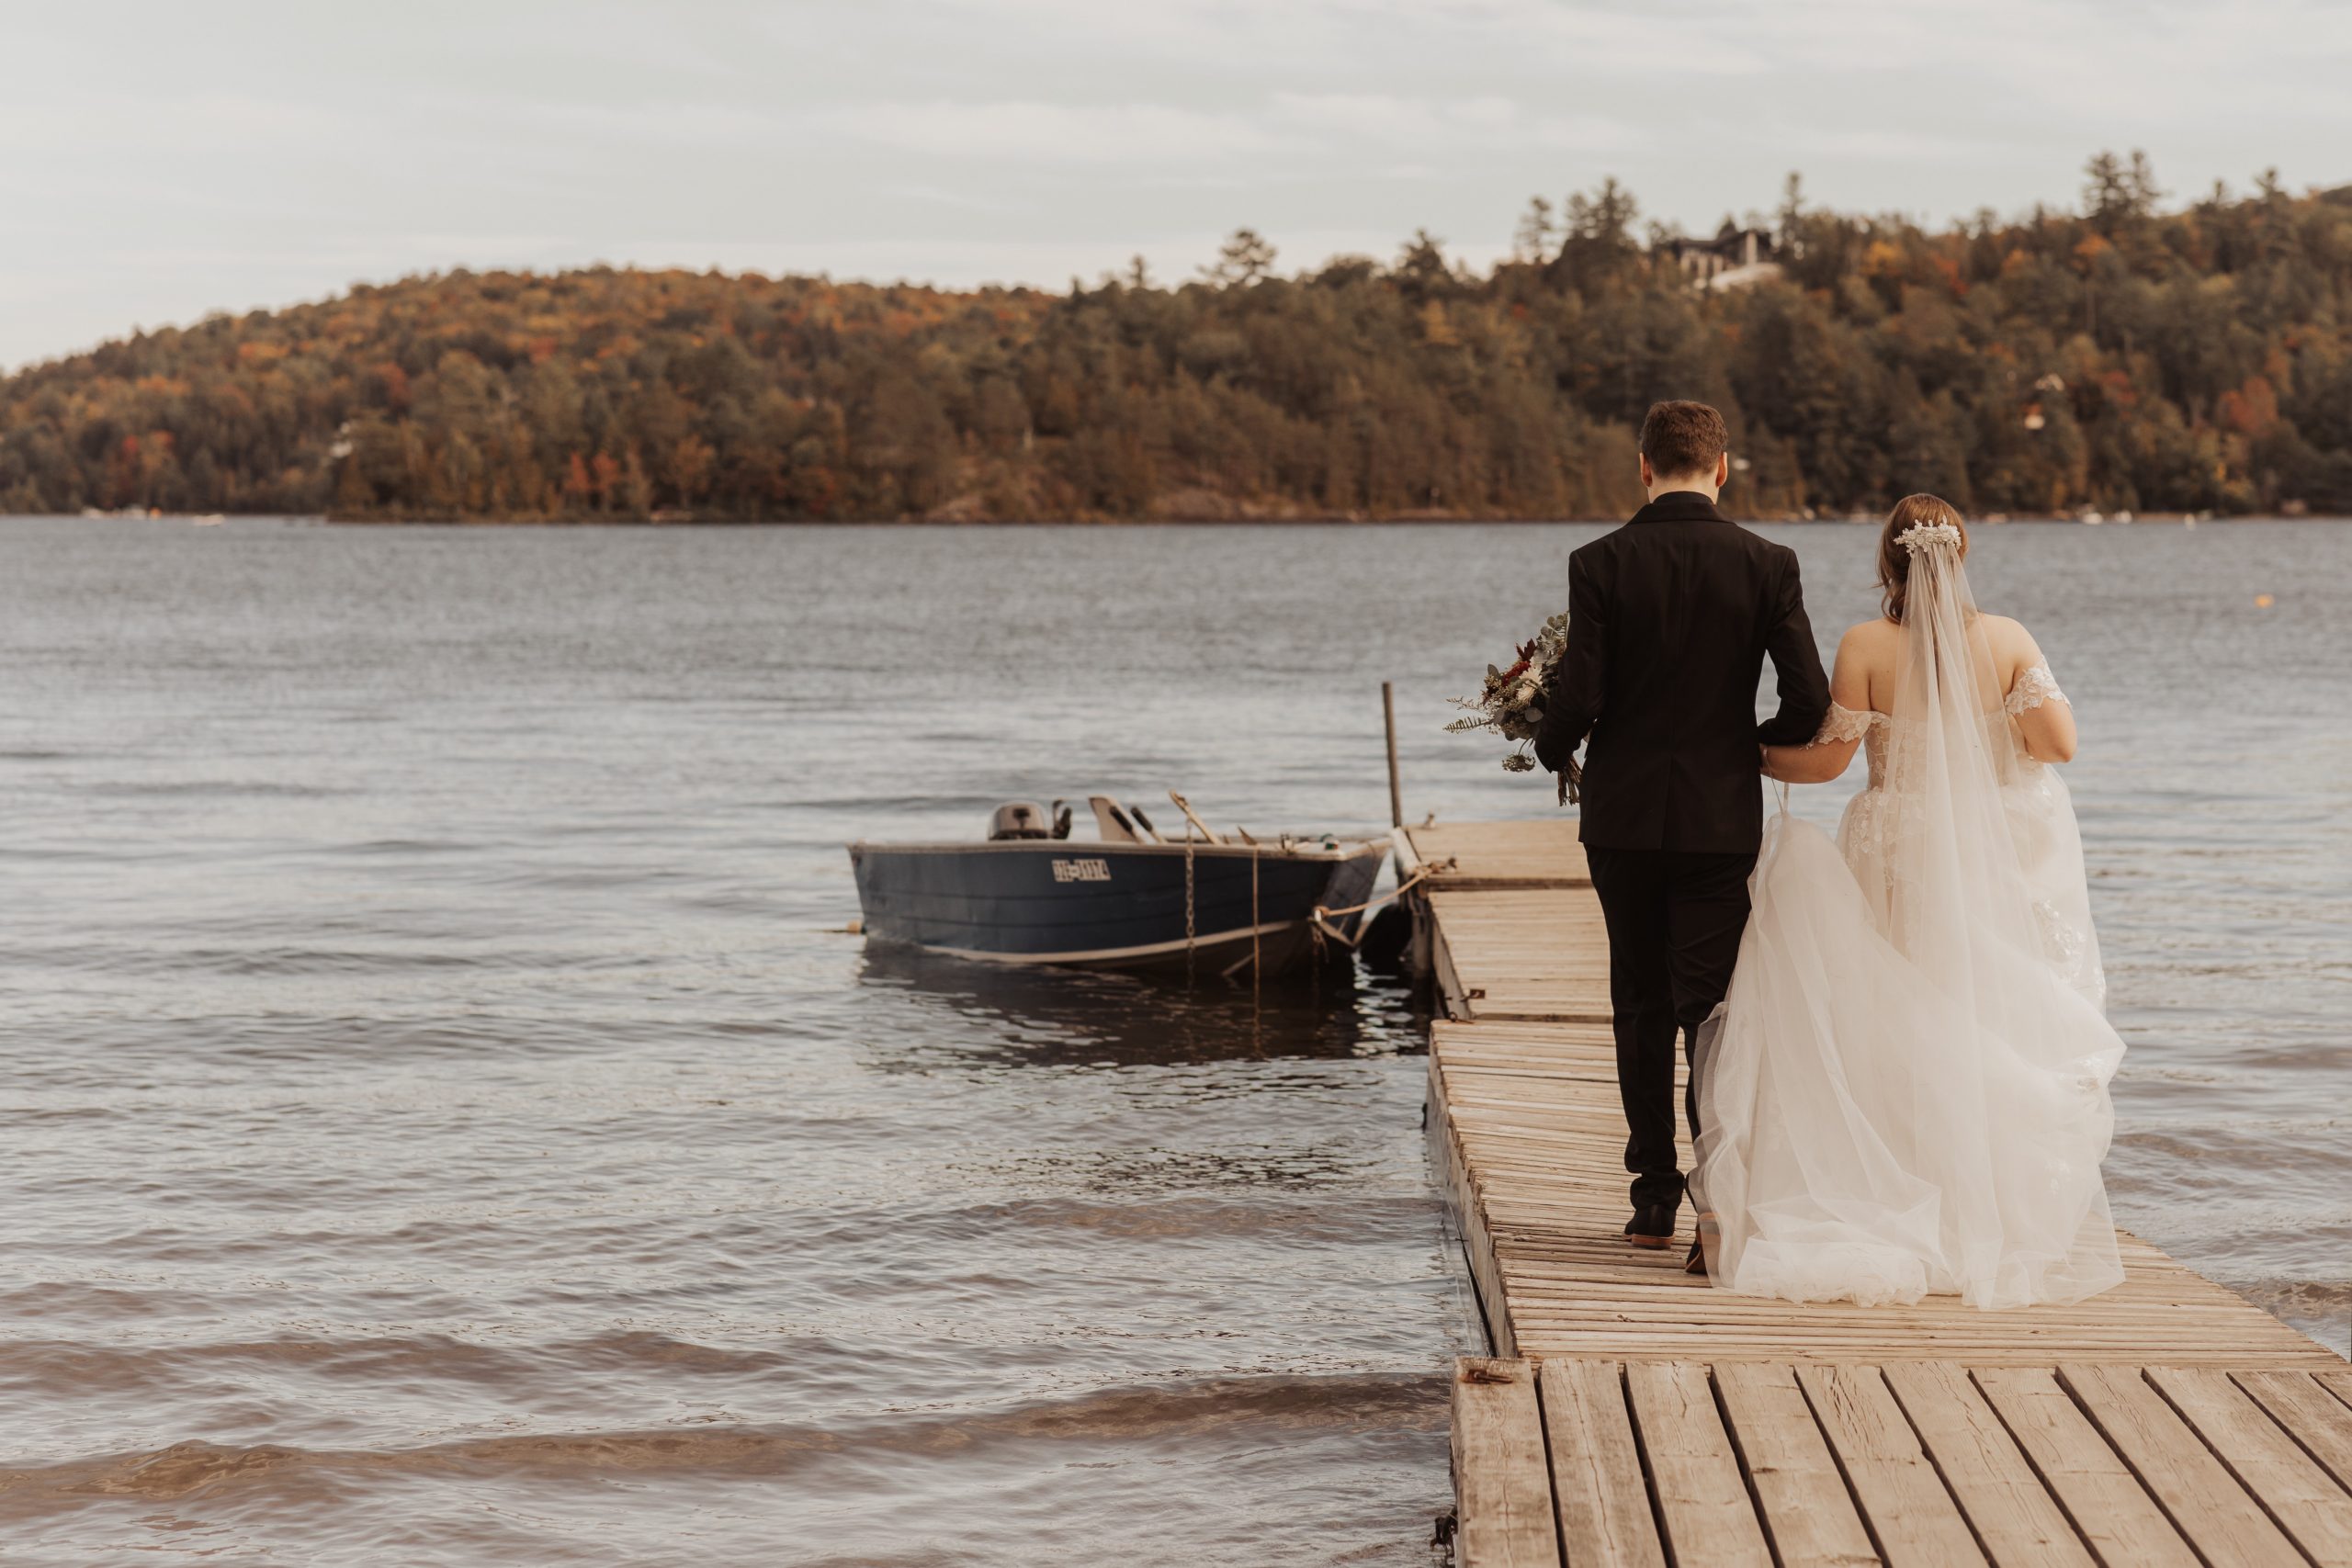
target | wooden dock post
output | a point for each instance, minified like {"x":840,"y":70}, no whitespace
{"x":1388,"y":719}
{"x":2167,"y":1421}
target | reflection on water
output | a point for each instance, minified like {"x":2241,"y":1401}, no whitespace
{"x":1042,"y":1018}
{"x":447,"y":1124}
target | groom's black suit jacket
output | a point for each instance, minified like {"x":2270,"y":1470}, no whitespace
{"x":1670,"y":618}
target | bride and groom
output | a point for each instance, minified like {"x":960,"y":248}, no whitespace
{"x":1899,"y":1058}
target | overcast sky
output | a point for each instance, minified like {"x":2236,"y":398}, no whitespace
{"x":159,"y":161}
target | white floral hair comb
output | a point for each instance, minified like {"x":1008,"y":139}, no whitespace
{"x":1922,"y":536}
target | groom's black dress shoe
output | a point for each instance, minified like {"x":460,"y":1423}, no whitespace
{"x":1651,"y":1226}
{"x":1697,"y":1262}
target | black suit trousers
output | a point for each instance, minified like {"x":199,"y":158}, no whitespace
{"x":1675,"y":918}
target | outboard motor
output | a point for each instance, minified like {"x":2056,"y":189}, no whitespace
{"x":1018,"y":819}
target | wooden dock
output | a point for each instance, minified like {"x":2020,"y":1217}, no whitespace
{"x":1633,"y":1414}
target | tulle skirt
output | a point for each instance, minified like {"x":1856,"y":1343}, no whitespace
{"x":1879,"y":1125}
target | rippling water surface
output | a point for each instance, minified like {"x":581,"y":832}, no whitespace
{"x":447,"y":1124}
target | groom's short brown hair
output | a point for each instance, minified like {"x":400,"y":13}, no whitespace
{"x":1683,"y":438}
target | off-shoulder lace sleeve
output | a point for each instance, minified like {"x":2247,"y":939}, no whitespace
{"x":2033,"y":687}
{"x":1842,"y":724}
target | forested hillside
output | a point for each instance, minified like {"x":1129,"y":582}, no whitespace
{"x":2124,"y":358}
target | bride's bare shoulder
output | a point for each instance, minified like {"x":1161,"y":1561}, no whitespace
{"x":2005,"y":635}
{"x":1864,"y":637}
{"x":1866,"y":658}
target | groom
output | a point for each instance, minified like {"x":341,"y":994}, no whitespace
{"x":1670,"y":618}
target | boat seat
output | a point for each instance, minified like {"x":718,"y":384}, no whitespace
{"x":1117,"y":824}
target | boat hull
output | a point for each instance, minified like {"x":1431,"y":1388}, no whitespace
{"x":1052,"y":901}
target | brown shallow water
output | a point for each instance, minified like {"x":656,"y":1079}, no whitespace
{"x":447,"y":1126}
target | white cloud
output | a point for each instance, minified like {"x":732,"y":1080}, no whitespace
{"x":1050,"y":133}
{"x":277,"y":150}
{"x":1286,"y":130}
{"x":1340,"y":122}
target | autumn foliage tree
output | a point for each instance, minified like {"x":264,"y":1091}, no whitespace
{"x":2128,"y":357}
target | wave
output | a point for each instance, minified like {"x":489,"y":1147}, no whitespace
{"x":2321,"y":1308}
{"x":225,"y":789}
{"x":1225,"y":1408}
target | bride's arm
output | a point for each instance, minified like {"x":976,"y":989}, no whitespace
{"x":1832,"y":748}
{"x":2045,"y":718}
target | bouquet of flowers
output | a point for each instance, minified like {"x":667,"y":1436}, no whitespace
{"x":1509,"y":702}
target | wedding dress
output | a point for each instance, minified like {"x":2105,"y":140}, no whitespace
{"x":1904,"y":1091}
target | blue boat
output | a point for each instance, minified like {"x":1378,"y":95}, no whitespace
{"x":1130,"y":898}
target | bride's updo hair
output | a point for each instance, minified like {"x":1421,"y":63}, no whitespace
{"x":1894,"y":561}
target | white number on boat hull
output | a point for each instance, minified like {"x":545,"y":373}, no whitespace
{"x":1081,"y":871}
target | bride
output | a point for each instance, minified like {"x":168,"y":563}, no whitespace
{"x":1904,"y":1091}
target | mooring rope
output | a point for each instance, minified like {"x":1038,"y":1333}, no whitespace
{"x":1255,"y":967}
{"x":1320,"y":919}
{"x":1396,"y":892}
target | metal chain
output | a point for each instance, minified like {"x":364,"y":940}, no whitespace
{"x":1188,"y":903}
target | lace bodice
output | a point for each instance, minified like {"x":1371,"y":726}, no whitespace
{"x":2032,"y":687}
{"x":1844,"y":724}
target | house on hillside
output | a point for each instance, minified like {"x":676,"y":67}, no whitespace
{"x":1733,"y":248}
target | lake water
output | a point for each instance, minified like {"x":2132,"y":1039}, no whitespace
{"x":447,"y":1122}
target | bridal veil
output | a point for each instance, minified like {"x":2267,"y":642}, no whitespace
{"x":1904,"y":1091}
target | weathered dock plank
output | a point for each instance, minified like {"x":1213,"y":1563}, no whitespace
{"x":1482,"y":857}
{"x":1598,"y":1479}
{"x":2105,"y":1501}
{"x":2301,"y":1498}
{"x":2167,"y":1421}
{"x":2014,"y":1516}
{"x":1912,"y":1513}
{"x":2222,"y":1521}
{"x":1695,"y":1473}
{"x":2321,"y":1424}
{"x":1503,"y":1495}
{"x":1801,"y":1491}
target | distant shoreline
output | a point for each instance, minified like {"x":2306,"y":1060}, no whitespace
{"x":2167,"y":520}
{"x":2062,"y":365}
